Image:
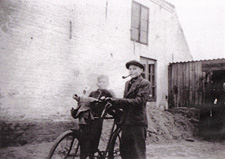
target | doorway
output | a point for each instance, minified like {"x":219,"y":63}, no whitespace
{"x":212,"y":116}
{"x":218,"y":78}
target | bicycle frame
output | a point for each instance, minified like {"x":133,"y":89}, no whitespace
{"x":115,"y":130}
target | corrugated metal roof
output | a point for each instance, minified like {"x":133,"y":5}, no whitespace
{"x":197,"y":60}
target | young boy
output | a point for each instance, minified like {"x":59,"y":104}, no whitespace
{"x":137,"y":90}
{"x":92,"y":131}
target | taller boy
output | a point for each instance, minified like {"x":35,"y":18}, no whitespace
{"x":136,"y":93}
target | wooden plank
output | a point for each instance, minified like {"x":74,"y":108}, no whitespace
{"x":198,"y":96}
{"x":200,"y":83}
{"x":183,"y":104}
{"x":174,"y":85}
{"x":187,"y":77}
{"x":178,"y":85}
{"x":181,"y":85}
{"x":191,"y":85}
{"x":203,"y":87}
{"x":179,"y":74}
{"x":194,"y":84}
{"x":170,"y":86}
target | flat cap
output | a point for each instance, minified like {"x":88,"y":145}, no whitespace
{"x":136,"y":63}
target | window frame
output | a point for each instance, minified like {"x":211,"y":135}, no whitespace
{"x":150,"y":75}
{"x":140,"y":21}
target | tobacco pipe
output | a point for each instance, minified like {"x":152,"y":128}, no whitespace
{"x":125,"y":76}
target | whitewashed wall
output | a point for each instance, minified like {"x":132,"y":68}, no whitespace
{"x":50,"y":50}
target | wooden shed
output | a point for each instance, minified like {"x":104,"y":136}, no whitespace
{"x":191,"y":84}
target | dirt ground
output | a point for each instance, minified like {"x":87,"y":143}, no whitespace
{"x":168,"y":138}
{"x":172,"y":150}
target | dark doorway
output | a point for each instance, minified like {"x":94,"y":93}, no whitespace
{"x":212,"y":117}
{"x":218,"y":78}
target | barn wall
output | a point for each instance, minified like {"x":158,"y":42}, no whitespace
{"x":186,"y":84}
{"x":189,"y":81}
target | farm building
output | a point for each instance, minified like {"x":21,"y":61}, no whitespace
{"x":193,"y":84}
{"x":201,"y":85}
{"x":53,"y":49}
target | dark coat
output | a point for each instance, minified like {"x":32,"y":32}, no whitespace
{"x":134,"y":101}
{"x":83,"y":111}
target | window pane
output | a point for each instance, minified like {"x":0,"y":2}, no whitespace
{"x":153,"y":68}
{"x":153,"y":80}
{"x":149,"y":77}
{"x":153,"y":92}
{"x":143,"y":37}
{"x":144,"y":13}
{"x":135,"y":21}
{"x":149,"y":66}
{"x":144,"y":26}
{"x":134,"y":34}
{"x":136,"y":9}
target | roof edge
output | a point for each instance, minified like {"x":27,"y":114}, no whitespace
{"x":164,"y":4}
{"x":196,"y":61}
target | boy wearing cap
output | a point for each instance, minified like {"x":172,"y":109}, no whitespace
{"x":136,"y":93}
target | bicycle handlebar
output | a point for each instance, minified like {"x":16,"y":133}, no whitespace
{"x":108,"y":106}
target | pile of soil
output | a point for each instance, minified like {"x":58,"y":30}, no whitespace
{"x":175,"y":124}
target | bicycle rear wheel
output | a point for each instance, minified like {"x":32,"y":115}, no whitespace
{"x":114,"y":146}
{"x":66,"y":146}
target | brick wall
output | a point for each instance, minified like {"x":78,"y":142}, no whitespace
{"x":50,"y":50}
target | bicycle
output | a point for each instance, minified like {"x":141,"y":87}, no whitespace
{"x":67,"y":145}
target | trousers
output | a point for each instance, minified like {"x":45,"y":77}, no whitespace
{"x":132,"y":144}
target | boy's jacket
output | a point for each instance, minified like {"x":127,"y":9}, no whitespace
{"x":83,"y":110}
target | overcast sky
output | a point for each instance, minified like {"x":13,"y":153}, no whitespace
{"x":203,"y":23}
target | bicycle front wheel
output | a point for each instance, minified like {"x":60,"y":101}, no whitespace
{"x":66,"y":146}
{"x":114,"y":146}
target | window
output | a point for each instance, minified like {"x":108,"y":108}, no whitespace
{"x":149,"y":74}
{"x":139,"y":23}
